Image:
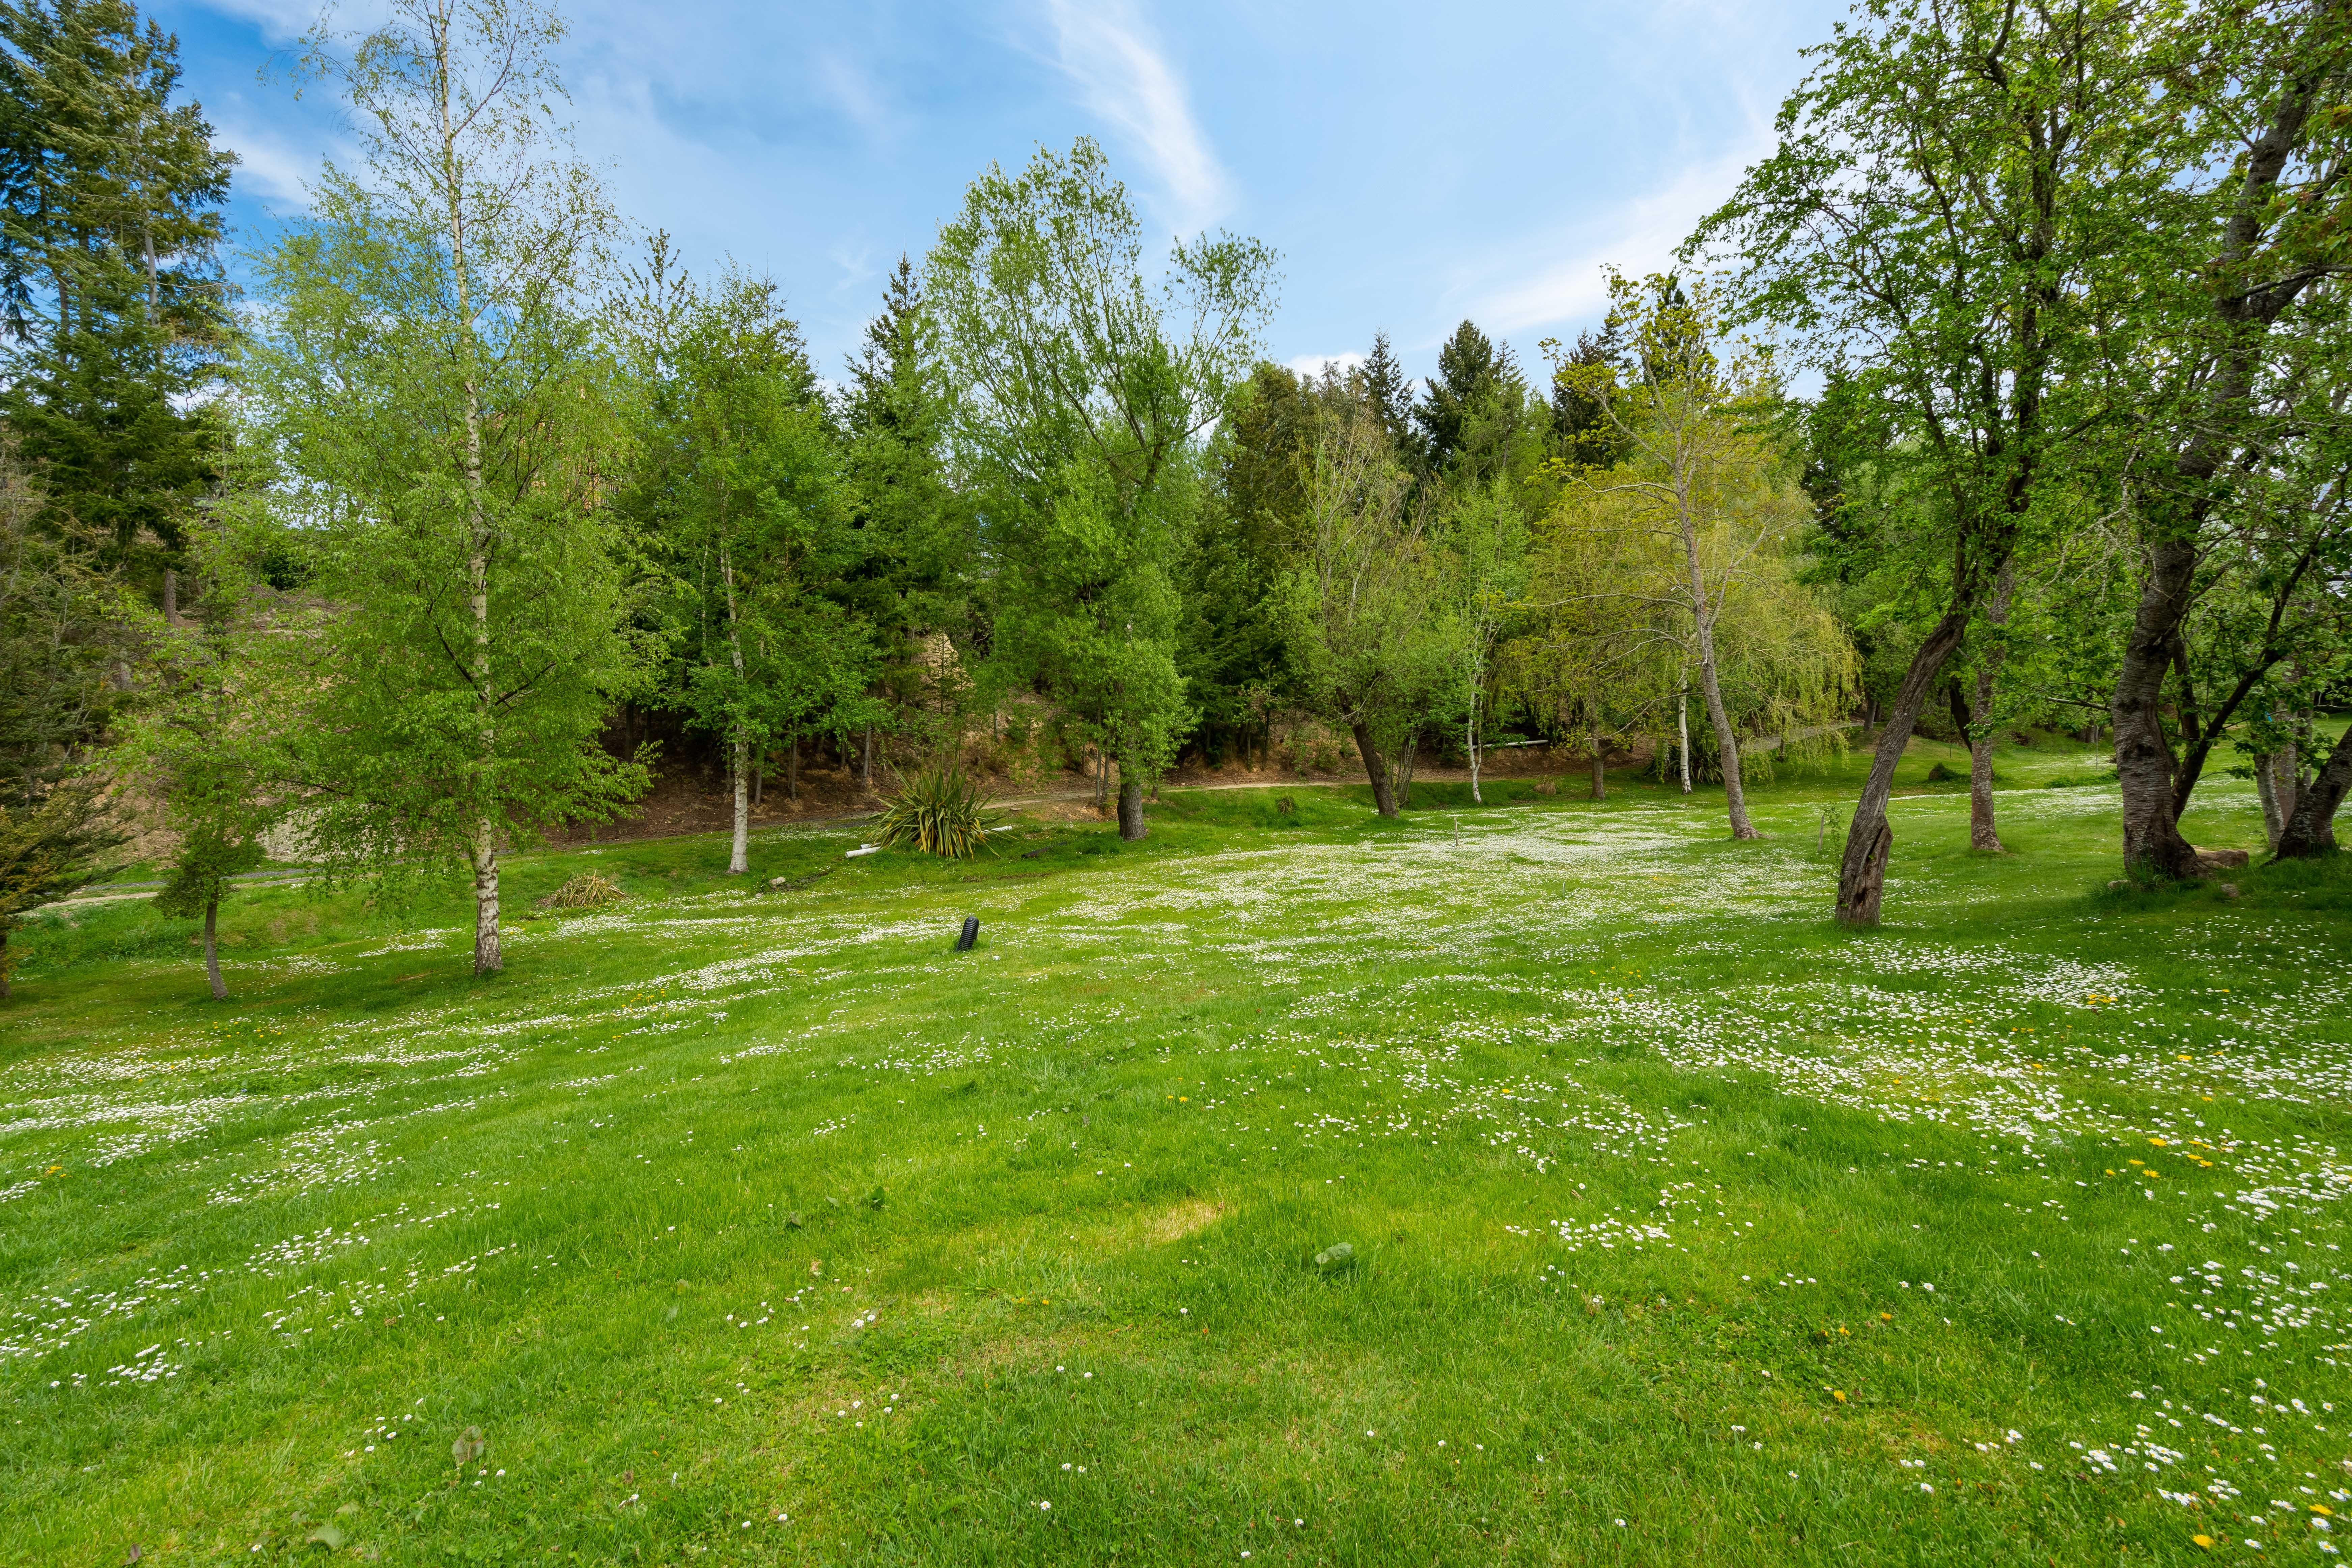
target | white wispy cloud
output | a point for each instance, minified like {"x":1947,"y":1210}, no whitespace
{"x":1111,"y":56}
{"x":271,"y":169}
{"x":282,"y":21}
{"x":1557,"y":276}
{"x":1313,"y":364}
{"x":854,"y":92}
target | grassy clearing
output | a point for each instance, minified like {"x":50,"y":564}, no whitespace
{"x":753,"y":1226}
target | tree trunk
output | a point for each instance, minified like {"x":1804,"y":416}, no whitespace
{"x":1861,"y":875}
{"x":1470,"y":738}
{"x":171,"y":597}
{"x":212,"y":949}
{"x":1983,"y":834}
{"x":1726,"y":743}
{"x":2286,"y":780}
{"x":1384,"y":792}
{"x":1131,"y":804}
{"x":1102,"y":783}
{"x":1599,"y":769}
{"x":2311,"y":830}
{"x":2144,"y":763}
{"x":484,"y":851}
{"x":792,"y":769}
{"x":1682,"y":731}
{"x":865,"y":763}
{"x":1406,"y":757}
{"x":758,"y":774}
{"x":739,"y":849}
{"x":1734,"y":793}
{"x":2266,"y":787}
{"x":485,"y":856}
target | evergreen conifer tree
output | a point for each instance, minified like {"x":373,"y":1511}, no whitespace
{"x":115,"y":311}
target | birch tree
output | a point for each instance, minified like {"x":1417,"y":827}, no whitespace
{"x":429,"y":375}
{"x":1485,"y":573}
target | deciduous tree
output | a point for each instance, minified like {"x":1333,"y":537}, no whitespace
{"x":1083,"y":389}
{"x":430,"y":370}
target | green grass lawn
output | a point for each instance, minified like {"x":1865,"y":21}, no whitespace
{"x":751,"y":1226}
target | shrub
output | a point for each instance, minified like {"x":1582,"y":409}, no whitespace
{"x":939,"y":811}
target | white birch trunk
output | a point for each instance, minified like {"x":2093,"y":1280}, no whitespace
{"x":1473,"y":740}
{"x":484,"y":850}
{"x":738,"y":850}
{"x":1682,"y":732}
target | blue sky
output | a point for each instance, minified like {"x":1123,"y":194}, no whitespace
{"x":1413,"y":165}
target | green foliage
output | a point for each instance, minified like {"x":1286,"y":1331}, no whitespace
{"x":206,"y":743}
{"x":1233,"y":654}
{"x":1082,"y":389}
{"x":116,"y":315}
{"x":1471,"y":411}
{"x":66,"y":627}
{"x":62,"y":633}
{"x":737,"y":495}
{"x":1370,"y":633}
{"x":941,"y":811}
{"x":917,"y":533}
{"x":446,"y":412}
{"x":50,"y":849}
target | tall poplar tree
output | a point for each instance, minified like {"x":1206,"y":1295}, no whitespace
{"x":429,"y":371}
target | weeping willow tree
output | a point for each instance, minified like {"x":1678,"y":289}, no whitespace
{"x":1632,"y":616}
{"x":1694,"y":534}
